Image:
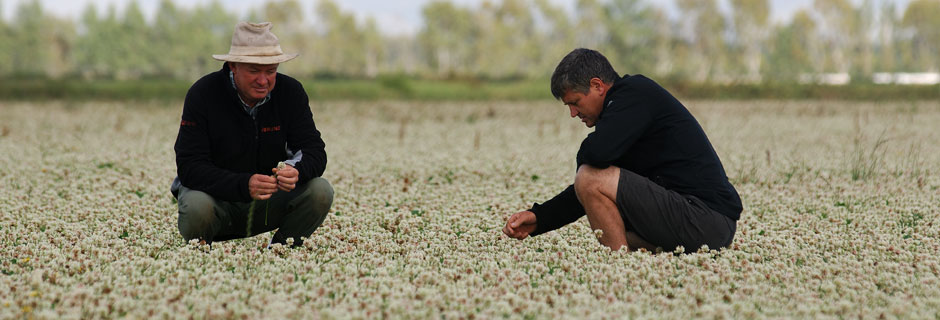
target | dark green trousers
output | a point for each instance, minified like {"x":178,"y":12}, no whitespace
{"x":294,"y":214}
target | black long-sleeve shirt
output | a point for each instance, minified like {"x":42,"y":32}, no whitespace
{"x":220,"y":146}
{"x":644,"y":129}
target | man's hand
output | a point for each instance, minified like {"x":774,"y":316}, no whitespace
{"x":520,"y":225}
{"x":286,"y":177}
{"x":261,"y":187}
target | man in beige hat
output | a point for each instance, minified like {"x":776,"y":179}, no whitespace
{"x":248,"y":154}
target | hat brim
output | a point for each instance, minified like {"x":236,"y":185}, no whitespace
{"x":255,"y":59}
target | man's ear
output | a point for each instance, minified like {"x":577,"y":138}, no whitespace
{"x":598,"y":84}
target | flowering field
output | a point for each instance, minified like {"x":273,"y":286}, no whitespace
{"x":841,"y":219}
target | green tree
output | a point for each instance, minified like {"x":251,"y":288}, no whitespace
{"x":6,"y":45}
{"x":794,"y":50}
{"x":87,"y":54}
{"x":839,"y":33}
{"x":288,"y":19}
{"x":169,"y":38}
{"x":923,"y":18}
{"x":556,"y":36}
{"x":103,"y":47}
{"x":750,"y":26}
{"x":447,"y":38}
{"x":286,"y":14}
{"x":864,"y":55}
{"x":507,"y":44}
{"x":633,"y":37}
{"x":187,"y":39}
{"x":339,"y":50}
{"x":401,"y":54}
{"x":29,"y":40}
{"x":705,"y":27}
{"x":664,"y":44}
{"x":589,"y":27}
{"x":373,"y":49}
{"x":132,"y":39}
{"x":886,"y":55}
{"x":207,"y":31}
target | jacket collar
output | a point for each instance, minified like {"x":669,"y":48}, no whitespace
{"x":608,"y":98}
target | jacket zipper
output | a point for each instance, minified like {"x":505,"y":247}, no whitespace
{"x":254,"y":120}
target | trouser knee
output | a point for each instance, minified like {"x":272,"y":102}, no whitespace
{"x":196,"y":214}
{"x":306,"y":212}
{"x":319,"y":196}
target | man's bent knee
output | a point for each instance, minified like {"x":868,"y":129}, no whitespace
{"x":196,"y":214}
{"x":592,"y":180}
{"x":322,"y":193}
{"x":317,"y":199}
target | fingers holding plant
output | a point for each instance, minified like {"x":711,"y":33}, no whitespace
{"x":261,"y":187}
{"x":286,"y":176}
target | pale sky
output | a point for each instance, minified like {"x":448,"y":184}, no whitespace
{"x":392,"y":17}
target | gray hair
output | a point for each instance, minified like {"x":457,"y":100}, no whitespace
{"x":576,"y":70}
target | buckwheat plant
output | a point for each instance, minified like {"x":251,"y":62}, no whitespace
{"x":267,"y":204}
{"x":414,"y":230}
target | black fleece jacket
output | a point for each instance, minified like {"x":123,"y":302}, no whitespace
{"x":220,"y":146}
{"x":644,"y":129}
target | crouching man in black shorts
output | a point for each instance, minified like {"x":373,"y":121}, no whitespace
{"x":647,"y":176}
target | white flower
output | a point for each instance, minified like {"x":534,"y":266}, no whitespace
{"x":91,"y":231}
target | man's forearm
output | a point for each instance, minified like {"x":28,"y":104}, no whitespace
{"x":217,"y":182}
{"x":563,"y":209}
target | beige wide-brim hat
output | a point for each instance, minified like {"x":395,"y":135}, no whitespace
{"x":254,"y":43}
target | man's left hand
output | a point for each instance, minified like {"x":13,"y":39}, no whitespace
{"x":286,"y":178}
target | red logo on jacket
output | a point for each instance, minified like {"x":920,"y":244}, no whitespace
{"x":270,"y":129}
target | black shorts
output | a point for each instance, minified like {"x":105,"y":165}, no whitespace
{"x":667,"y":219}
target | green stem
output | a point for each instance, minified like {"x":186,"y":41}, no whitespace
{"x":266,"y":205}
{"x":251,"y":213}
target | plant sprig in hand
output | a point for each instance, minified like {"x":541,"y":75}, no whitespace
{"x":251,"y":207}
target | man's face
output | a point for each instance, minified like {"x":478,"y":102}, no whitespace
{"x":254,"y":81}
{"x":587,"y":106}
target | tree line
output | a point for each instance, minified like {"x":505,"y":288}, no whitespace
{"x":702,"y":42}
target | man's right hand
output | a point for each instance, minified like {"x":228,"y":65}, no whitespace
{"x":520,"y":225}
{"x":261,"y":187}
